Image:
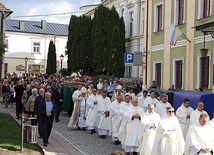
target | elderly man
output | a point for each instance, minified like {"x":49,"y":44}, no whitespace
{"x":162,"y":105}
{"x":92,"y":118}
{"x":104,"y":104}
{"x":183,"y":114}
{"x":200,"y":139}
{"x":119,"y":91}
{"x":46,"y":110}
{"x":198,"y":111}
{"x":168,"y":139}
{"x":115,"y":118}
{"x":133,"y":128}
{"x":78,"y":117}
{"x":150,"y":122}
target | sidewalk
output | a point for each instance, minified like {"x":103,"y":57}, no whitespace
{"x":57,"y":146}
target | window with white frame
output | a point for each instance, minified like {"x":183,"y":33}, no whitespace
{"x":158,"y":17}
{"x":36,"y":47}
{"x":66,"y":50}
{"x":143,"y":21}
{"x":179,"y":12}
{"x":123,"y":14}
{"x":6,"y":44}
{"x":157,"y":73}
{"x":204,"y":8}
{"x":131,"y":23}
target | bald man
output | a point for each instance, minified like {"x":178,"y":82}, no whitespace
{"x":200,"y":139}
{"x":198,"y":111}
{"x":133,"y":128}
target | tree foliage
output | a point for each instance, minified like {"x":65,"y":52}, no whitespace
{"x":51,"y":60}
{"x":90,"y":41}
{"x":2,"y":46}
{"x":116,"y":64}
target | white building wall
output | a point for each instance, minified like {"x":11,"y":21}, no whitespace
{"x":20,"y":45}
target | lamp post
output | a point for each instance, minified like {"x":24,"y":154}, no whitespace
{"x":61,"y":59}
{"x":26,"y":59}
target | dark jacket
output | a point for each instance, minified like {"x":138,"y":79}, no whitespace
{"x":42,"y":110}
{"x":38,"y":100}
{"x":57,"y":96}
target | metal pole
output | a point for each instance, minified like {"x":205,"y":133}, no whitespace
{"x":61,"y":66}
{"x":22,"y":133}
{"x":128,"y":74}
{"x":25,"y":66}
{"x":147,"y":20}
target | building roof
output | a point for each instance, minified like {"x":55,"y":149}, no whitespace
{"x":36,"y":27}
{"x":3,"y":7}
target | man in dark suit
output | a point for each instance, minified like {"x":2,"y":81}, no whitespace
{"x":46,"y":111}
{"x":19,"y":89}
{"x":58,"y":100}
{"x":38,"y":100}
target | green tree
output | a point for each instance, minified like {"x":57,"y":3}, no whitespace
{"x":71,"y":37}
{"x":51,"y":60}
{"x":99,"y":38}
{"x":116,"y":65}
{"x":2,"y":46}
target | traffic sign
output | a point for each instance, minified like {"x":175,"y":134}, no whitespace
{"x":129,"y":57}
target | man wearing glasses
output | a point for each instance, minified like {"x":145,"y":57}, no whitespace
{"x":169,"y":139}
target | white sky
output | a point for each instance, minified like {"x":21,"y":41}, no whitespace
{"x":42,"y":7}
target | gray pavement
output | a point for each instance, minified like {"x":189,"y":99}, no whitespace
{"x":64,"y":141}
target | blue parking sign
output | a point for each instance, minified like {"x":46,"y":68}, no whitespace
{"x":129,"y":57}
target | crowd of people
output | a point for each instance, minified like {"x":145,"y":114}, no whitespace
{"x":141,"y":123}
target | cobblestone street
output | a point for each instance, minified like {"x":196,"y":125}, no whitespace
{"x":83,"y":141}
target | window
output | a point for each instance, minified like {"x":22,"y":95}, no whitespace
{"x":179,"y":14}
{"x":158,"y":74}
{"x":204,"y":8}
{"x":123,"y":14}
{"x":66,"y":50}
{"x":204,"y":72}
{"x":36,"y":47}
{"x":6,"y":44}
{"x":143,"y":21}
{"x":158,"y":18}
{"x":178,"y":74}
{"x":131,"y":24}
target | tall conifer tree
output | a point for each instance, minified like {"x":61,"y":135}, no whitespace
{"x":51,"y":60}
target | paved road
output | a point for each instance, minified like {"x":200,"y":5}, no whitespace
{"x":83,"y":141}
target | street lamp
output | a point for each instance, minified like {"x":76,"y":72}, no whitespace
{"x":61,"y":59}
{"x":26,"y":59}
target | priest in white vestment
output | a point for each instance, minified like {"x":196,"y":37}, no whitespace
{"x":130,"y":92}
{"x":196,"y":114}
{"x":200,"y":138}
{"x":77,"y":93}
{"x":133,"y":128}
{"x":122,"y":124}
{"x":168,"y":139}
{"x":115,"y":118}
{"x":78,"y":116}
{"x":141,"y":100}
{"x":150,"y":122}
{"x":151,"y":100}
{"x":118,"y":91}
{"x":104,"y":104}
{"x":183,"y":114}
{"x":92,"y":114}
{"x":162,"y":105}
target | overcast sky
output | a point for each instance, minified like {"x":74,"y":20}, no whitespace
{"x":42,"y":7}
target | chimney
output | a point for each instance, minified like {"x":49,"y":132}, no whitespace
{"x":43,"y":24}
{"x":21,"y":25}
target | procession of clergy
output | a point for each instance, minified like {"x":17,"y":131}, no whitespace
{"x":143,"y":125}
